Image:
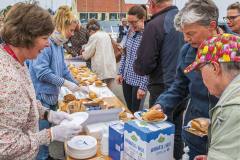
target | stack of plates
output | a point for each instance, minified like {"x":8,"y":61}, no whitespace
{"x":82,"y":147}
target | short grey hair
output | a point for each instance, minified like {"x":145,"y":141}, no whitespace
{"x":197,"y":11}
{"x":232,"y":68}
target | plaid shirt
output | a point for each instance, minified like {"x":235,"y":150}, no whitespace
{"x":127,"y":60}
{"x":75,"y":43}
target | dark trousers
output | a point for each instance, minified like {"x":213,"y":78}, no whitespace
{"x":130,"y":96}
{"x":175,"y":118}
{"x":155,"y":92}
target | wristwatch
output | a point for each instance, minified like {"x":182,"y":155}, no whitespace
{"x":46,"y":113}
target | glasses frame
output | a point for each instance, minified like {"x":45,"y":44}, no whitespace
{"x":230,"y":18}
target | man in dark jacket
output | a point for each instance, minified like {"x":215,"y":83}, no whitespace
{"x":157,"y":57}
{"x":197,"y":26}
{"x":158,"y":51}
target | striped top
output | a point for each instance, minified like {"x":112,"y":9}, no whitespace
{"x":48,"y":72}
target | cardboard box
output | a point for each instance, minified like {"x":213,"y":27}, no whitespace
{"x":148,"y":141}
{"x":116,"y":139}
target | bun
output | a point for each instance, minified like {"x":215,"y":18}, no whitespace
{"x":98,"y":83}
{"x":153,"y":115}
{"x":63,"y":106}
{"x":200,"y":125}
{"x":75,"y":106}
{"x":69,"y":97}
{"x":92,"y":95}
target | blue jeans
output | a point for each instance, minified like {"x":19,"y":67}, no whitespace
{"x":43,"y":149}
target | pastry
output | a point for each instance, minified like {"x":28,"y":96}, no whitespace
{"x":200,"y":124}
{"x":98,"y":83}
{"x":153,"y":115}
{"x":63,"y":106}
{"x":74,"y":70}
{"x":92,"y":95}
{"x":75,"y":106}
{"x":69,"y":97}
{"x":99,"y":101}
{"x":122,"y":115}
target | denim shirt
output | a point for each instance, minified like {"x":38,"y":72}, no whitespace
{"x":189,"y":85}
{"x":48,"y":72}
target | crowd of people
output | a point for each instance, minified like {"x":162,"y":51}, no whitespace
{"x":185,"y":59}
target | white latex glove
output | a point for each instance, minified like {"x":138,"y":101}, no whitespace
{"x":57,"y":117}
{"x":84,"y":89}
{"x":71,"y":86}
{"x":63,"y":133}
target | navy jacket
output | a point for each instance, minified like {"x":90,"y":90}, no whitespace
{"x":191,"y":85}
{"x":159,"y":49}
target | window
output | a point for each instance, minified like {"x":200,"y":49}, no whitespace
{"x":122,"y":15}
{"x":103,"y":17}
{"x":113,"y":16}
{"x":83,"y":17}
{"x":93,"y":15}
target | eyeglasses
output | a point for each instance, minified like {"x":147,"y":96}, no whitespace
{"x":230,"y":18}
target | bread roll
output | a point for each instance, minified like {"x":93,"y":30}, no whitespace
{"x":74,"y":106}
{"x":69,"y":97}
{"x":98,"y":83}
{"x":153,"y":115}
{"x":92,"y":95}
{"x":63,"y":106}
{"x":200,"y":125}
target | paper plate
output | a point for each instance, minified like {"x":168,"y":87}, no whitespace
{"x":82,"y":142}
{"x":139,"y":114}
{"x":82,"y":147}
{"x":77,"y":118}
{"x":189,"y":128}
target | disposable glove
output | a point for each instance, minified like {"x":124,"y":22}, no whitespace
{"x":57,"y":117}
{"x":71,"y":86}
{"x":63,"y":133}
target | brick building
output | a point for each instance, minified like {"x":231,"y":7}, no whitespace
{"x":102,"y":9}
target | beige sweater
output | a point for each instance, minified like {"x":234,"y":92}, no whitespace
{"x":99,"y":49}
{"x":19,"y":112}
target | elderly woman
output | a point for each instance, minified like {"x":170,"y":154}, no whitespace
{"x":49,"y":71}
{"x":100,"y":50}
{"x":134,"y":86}
{"x":25,"y":33}
{"x":198,"y":21}
{"x":218,"y":59}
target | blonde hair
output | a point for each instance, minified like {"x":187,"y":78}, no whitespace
{"x":63,"y":19}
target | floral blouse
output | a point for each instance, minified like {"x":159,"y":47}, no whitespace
{"x":19,"y":112}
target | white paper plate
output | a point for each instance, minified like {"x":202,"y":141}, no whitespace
{"x":189,"y":128}
{"x":138,"y":115}
{"x":82,"y":144}
{"x":77,"y":118}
